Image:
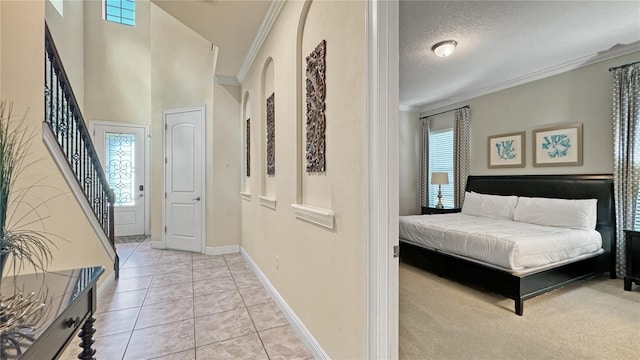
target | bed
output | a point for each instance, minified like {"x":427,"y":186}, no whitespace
{"x":520,"y":279}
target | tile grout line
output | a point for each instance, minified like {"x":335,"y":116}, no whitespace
{"x":141,"y":305}
{"x":250,"y":317}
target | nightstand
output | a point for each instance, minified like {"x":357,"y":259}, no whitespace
{"x":433,"y":211}
{"x":632,"y":253}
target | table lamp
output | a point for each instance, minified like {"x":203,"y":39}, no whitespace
{"x":439,"y":178}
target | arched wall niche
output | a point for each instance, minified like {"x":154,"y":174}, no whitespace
{"x":246,"y":144}
{"x":267,"y":88}
{"x":313,"y":190}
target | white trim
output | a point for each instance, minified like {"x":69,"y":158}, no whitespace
{"x":382,"y":24}
{"x":221,"y":250}
{"x":203,"y":196}
{"x":261,"y":36}
{"x":317,"y":352}
{"x":314,"y":214}
{"x":268,"y":202}
{"x":104,"y":286}
{"x":147,"y":161}
{"x":409,"y":108}
{"x":536,"y":75}
{"x":59,"y":158}
{"x":157,"y":244}
{"x":245,"y":196}
{"x":227,"y":80}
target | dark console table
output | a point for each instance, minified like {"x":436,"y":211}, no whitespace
{"x":70,"y":299}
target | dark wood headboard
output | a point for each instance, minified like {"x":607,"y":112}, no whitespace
{"x":598,"y":187}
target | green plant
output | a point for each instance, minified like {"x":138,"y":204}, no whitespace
{"x":17,"y":236}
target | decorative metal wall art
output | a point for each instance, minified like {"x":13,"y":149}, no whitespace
{"x":247,"y":147}
{"x":271,"y":135}
{"x":316,"y":122}
{"x":121,"y":166}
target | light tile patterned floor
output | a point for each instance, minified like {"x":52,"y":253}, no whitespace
{"x":183,"y":306}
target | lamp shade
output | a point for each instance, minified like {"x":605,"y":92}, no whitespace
{"x":439,"y":178}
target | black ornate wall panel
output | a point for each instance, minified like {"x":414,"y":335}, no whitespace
{"x":271,"y":135}
{"x":247,"y":147}
{"x":316,"y":122}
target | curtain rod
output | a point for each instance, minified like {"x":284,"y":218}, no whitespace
{"x":621,"y":66}
{"x":444,"y":112}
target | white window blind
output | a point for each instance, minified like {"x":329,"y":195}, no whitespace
{"x":441,"y":160}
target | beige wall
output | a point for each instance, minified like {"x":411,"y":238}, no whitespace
{"x":68,"y":34}
{"x":578,"y":96}
{"x":22,"y":64}
{"x":182,"y":72}
{"x":321,"y":272}
{"x":117,"y":66}
{"x":224,"y":163}
{"x":410,"y":130}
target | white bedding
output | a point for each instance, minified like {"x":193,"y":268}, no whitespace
{"x":505,"y":243}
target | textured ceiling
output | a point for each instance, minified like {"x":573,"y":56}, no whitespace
{"x":499,"y":41}
{"x":231,"y":25}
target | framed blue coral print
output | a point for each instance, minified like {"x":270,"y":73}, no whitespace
{"x":558,"y":146}
{"x":507,"y":150}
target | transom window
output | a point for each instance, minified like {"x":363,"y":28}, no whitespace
{"x":120,"y":11}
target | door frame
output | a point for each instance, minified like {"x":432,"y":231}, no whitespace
{"x":382,"y":109}
{"x":203,"y":184}
{"x":147,"y":158}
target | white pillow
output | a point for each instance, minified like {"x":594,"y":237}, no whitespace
{"x":566,"y":213}
{"x":493,"y":206}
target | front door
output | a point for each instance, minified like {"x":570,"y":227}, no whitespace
{"x":121,"y":152}
{"x":184,"y":132}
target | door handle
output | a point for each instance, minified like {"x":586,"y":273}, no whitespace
{"x":197,"y":199}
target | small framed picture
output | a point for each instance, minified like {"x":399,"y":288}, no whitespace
{"x":558,"y":146}
{"x":507,"y":150}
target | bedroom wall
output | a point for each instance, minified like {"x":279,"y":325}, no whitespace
{"x":581,"y":95}
{"x":320,"y":272}
{"x":410,"y":130}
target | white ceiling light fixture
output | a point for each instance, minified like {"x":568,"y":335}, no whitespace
{"x":444,"y":48}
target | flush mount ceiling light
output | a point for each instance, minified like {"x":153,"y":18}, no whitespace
{"x":444,"y":48}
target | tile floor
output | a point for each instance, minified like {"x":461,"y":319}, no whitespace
{"x":183,"y":306}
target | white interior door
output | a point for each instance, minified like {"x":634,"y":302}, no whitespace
{"x":121,"y":150}
{"x":184,"y":133}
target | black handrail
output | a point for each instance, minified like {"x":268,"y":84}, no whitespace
{"x":63,"y":116}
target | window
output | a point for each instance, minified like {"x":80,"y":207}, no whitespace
{"x":120,"y":11}
{"x":441,"y":160}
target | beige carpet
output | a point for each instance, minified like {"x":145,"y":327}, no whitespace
{"x":442,"y":319}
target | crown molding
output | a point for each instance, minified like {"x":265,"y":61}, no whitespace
{"x":261,"y":36}
{"x":227,"y":80}
{"x":409,"y":108}
{"x":601,"y":56}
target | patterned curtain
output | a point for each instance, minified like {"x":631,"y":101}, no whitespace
{"x":424,"y":163}
{"x":461,"y":136}
{"x":626,"y":152}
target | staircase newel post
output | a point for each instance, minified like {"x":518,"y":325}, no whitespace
{"x":112,"y":200}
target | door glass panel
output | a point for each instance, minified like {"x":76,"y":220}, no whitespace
{"x":120,"y":167}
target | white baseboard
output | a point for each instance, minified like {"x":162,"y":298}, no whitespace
{"x":221,"y":250}
{"x":157,"y":244}
{"x":296,"y":324}
{"x":108,"y":281}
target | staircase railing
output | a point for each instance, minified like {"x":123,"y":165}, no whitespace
{"x":63,"y":116}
